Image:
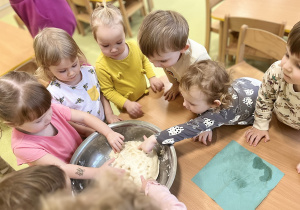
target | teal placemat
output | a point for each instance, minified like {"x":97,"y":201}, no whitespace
{"x":237,"y":179}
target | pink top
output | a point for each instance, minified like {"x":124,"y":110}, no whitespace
{"x":163,"y":197}
{"x":28,"y":148}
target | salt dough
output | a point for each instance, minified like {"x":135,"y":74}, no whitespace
{"x":136,"y":163}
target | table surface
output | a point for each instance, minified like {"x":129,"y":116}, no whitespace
{"x":270,"y":10}
{"x":16,"y":47}
{"x":283,"y":151}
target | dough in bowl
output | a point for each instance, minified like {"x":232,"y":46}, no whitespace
{"x":136,"y":163}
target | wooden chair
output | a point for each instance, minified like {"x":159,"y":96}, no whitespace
{"x":82,"y":10}
{"x":261,"y":40}
{"x":233,"y":24}
{"x":210,"y":26}
{"x":19,"y":21}
{"x":128,"y":9}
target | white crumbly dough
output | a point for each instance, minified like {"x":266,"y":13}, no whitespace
{"x":136,"y":163}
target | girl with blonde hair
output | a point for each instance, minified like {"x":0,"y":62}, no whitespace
{"x":73,"y":83}
{"x":121,"y":66}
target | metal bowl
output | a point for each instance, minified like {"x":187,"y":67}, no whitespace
{"x":95,"y":150}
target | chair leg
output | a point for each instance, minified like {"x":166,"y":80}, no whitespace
{"x":128,"y":27}
{"x":80,"y":28}
{"x":150,"y":5}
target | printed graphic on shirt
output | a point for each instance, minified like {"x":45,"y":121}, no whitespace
{"x":93,"y":93}
{"x":79,"y":100}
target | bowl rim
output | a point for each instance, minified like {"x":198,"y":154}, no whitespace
{"x":129,"y":122}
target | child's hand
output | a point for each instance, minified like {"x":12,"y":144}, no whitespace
{"x":134,"y":109}
{"x":107,"y":167}
{"x":203,"y":137}
{"x":253,"y":136}
{"x":298,"y":168}
{"x":171,"y":94}
{"x":115,"y":140}
{"x":144,"y":183}
{"x":156,"y":84}
{"x":148,"y":144}
{"x":112,"y":118}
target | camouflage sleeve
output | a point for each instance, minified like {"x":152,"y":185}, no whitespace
{"x":267,"y":95}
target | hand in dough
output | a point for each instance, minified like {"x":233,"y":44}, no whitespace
{"x":148,"y":144}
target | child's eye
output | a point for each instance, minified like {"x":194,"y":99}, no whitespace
{"x":120,"y":42}
{"x":287,"y":55}
{"x":74,"y":65}
{"x":163,"y":61}
{"x":104,"y":45}
{"x":62,"y":71}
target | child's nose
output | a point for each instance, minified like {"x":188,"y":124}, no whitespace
{"x":156,"y":64}
{"x":114,"y":49}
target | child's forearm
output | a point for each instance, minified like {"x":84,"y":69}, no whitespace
{"x":106,"y":105}
{"x":80,"y":172}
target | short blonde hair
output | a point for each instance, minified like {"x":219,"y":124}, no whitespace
{"x":110,"y":192}
{"x":211,"y":78}
{"x":162,"y":31}
{"x":23,"y":98}
{"x":51,"y":45}
{"x":105,"y":15}
{"x":22,"y":189}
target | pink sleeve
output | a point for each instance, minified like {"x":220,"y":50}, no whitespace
{"x":62,"y":110}
{"x":163,"y":197}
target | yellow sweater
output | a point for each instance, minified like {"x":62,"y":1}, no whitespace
{"x":124,"y":79}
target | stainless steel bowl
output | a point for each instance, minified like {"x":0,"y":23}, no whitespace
{"x":94,"y":151}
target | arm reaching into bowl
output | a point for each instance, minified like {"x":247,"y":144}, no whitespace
{"x":114,"y":139}
{"x":161,"y":195}
{"x":148,"y":144}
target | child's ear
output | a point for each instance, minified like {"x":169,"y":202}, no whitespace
{"x":185,"y":48}
{"x":217,"y":103}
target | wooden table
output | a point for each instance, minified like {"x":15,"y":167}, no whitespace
{"x":270,"y":10}
{"x":283,"y":151}
{"x":16,"y":47}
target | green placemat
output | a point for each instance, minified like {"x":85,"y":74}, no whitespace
{"x":237,"y":178}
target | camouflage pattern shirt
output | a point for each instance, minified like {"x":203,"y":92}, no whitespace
{"x":278,"y":95}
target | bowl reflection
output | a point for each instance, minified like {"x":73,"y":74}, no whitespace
{"x":94,"y":151}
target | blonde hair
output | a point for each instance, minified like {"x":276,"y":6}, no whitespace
{"x":211,"y":78}
{"x":23,"y":98}
{"x":51,"y":45}
{"x":108,"y":193}
{"x":22,"y":189}
{"x":294,"y":39}
{"x":105,"y":15}
{"x":162,"y":31}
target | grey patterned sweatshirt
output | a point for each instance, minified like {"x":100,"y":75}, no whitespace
{"x":244,"y":93}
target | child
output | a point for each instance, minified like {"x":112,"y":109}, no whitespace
{"x":37,"y":15}
{"x":72,"y":84}
{"x":279,"y":92}
{"x":111,"y":192}
{"x":207,"y":91}
{"x":41,"y":133}
{"x":22,"y":189}
{"x":121,"y":65}
{"x":163,"y":38}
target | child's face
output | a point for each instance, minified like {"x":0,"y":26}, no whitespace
{"x":37,"y":126}
{"x":167,"y":59}
{"x":290,"y":65}
{"x":195,"y":100}
{"x":111,"y":40}
{"x":67,"y":71}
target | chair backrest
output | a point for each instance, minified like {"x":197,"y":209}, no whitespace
{"x":261,"y":40}
{"x":234,"y":24}
{"x":208,"y":7}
